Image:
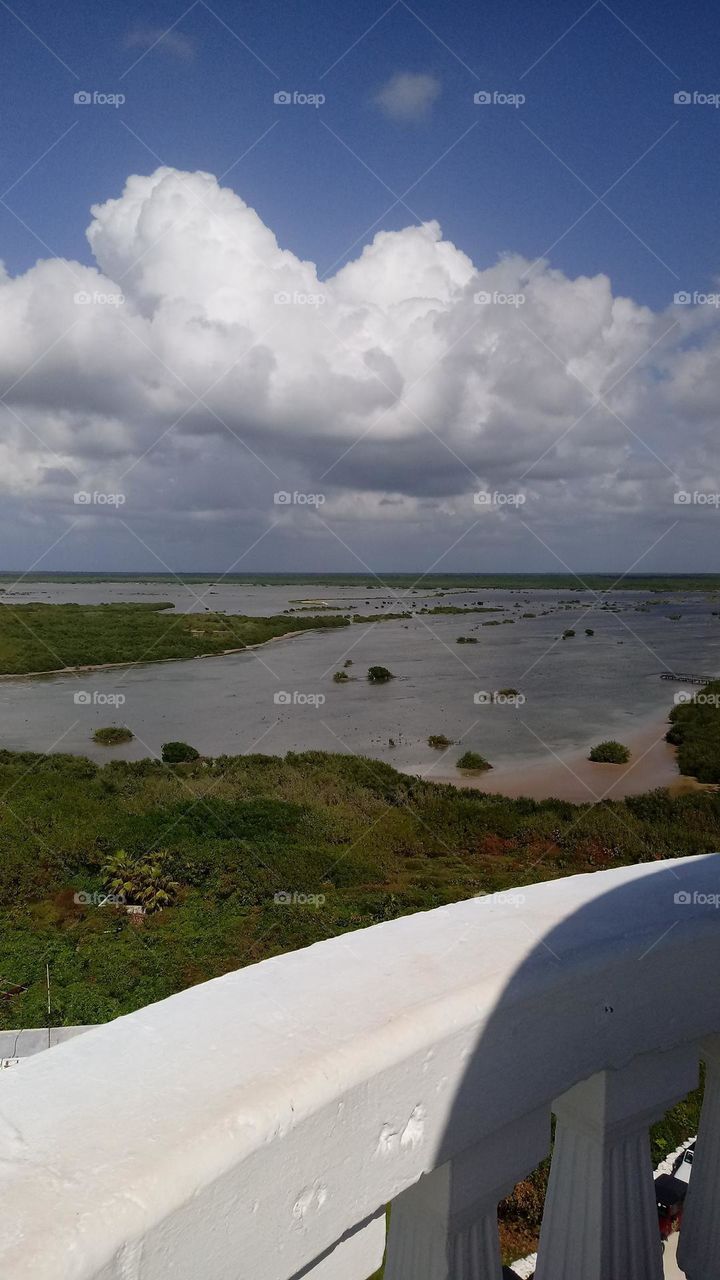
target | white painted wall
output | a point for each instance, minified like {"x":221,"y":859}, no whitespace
{"x":240,"y":1129}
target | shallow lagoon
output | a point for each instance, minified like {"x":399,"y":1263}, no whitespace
{"x":577,"y":690}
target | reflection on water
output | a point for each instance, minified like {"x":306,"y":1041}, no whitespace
{"x":577,"y":689}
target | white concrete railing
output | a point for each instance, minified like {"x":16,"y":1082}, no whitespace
{"x":254,"y":1127}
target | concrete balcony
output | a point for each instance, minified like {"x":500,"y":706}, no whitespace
{"x":256,"y":1127}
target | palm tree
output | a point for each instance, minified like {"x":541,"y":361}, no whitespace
{"x":141,"y":881}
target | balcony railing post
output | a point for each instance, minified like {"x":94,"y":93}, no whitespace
{"x":601,"y":1220}
{"x":445,"y":1226}
{"x":699,"y":1245}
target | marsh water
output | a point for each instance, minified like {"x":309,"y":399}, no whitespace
{"x":576,"y":690}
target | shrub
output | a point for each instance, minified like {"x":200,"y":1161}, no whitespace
{"x":438,"y":740}
{"x":567,"y":635}
{"x":378,"y":675}
{"x":340,"y":677}
{"x":472,"y":760}
{"x":589,"y":631}
{"x":141,"y":881}
{"x":466,"y":640}
{"x":610,"y":752}
{"x":178,"y":753}
{"x":113,"y":735}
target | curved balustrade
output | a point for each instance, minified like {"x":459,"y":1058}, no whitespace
{"x":255,"y":1127}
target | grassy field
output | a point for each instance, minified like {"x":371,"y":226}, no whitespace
{"x":47,"y":637}
{"x":370,"y":843}
{"x":418,"y":581}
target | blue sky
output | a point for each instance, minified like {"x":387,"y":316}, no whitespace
{"x":582,"y":187}
{"x":600,"y":99}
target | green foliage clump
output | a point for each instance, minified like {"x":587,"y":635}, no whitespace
{"x":567,"y":635}
{"x":473,"y":760}
{"x":113,"y":735}
{"x":610,"y":752}
{"x":379,"y":675}
{"x":340,"y":677}
{"x":178,"y":753}
{"x":141,"y":881}
{"x":439,"y":740}
{"x":695,"y":731}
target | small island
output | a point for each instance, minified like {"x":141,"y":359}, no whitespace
{"x":379,"y":675}
{"x":113,"y":735}
{"x":473,"y":761}
{"x":610,"y":752}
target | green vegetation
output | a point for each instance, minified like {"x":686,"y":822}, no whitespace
{"x":472,"y":760}
{"x":214,"y":843}
{"x":178,"y":753}
{"x":610,"y":752}
{"x":567,"y":635}
{"x":376,"y":843}
{"x":140,"y":881}
{"x":466,"y":640}
{"x":379,"y":675}
{"x":341,"y":677}
{"x":589,"y":631}
{"x":439,"y":741}
{"x":450,"y":581}
{"x":695,"y":731}
{"x":113,"y":735}
{"x":49,"y":637}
